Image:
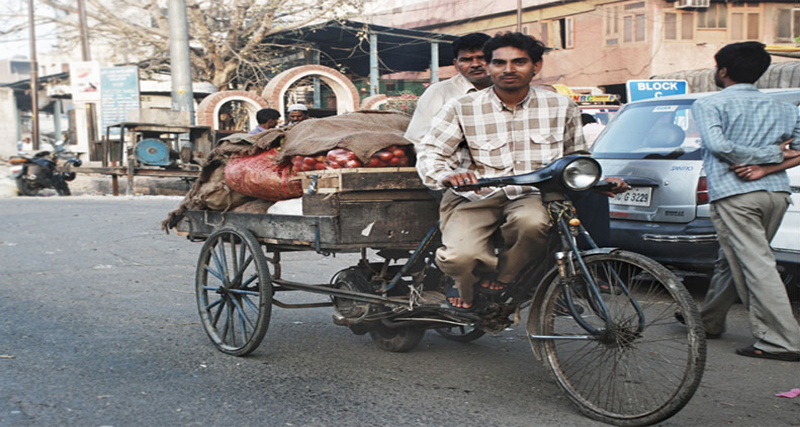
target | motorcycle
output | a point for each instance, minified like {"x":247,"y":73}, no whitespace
{"x":45,"y":169}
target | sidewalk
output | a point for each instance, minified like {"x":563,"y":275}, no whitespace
{"x":96,"y":184}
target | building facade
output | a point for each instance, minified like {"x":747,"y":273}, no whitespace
{"x":605,"y":43}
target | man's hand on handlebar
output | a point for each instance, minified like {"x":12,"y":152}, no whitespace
{"x":460,"y":178}
{"x":620,"y":186}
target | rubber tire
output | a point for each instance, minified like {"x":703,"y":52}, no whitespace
{"x":465,"y":336}
{"x":62,"y":189}
{"x":396,"y":340}
{"x":695,"y":350}
{"x":206,"y":291}
{"x":25,"y":189}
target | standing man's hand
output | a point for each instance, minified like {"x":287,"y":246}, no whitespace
{"x":461,"y":178}
{"x":749,"y":172}
{"x":788,"y":153}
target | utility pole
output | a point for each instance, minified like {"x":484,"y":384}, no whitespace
{"x":34,"y":81}
{"x":180,"y":65}
{"x":519,"y":16}
{"x":86,"y":56}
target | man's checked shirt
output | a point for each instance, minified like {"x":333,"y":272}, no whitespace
{"x":502,"y":141}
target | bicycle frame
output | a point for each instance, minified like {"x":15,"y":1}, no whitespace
{"x":568,"y":261}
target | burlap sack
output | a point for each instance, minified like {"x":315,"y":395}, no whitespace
{"x":362,"y":132}
{"x":262,"y":176}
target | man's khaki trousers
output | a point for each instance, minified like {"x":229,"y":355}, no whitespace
{"x":468,"y":243}
{"x":745,"y":225}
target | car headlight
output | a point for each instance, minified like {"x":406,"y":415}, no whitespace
{"x":581,"y":174}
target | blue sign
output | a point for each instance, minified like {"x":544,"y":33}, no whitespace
{"x":646,"y":89}
{"x":119,"y":93}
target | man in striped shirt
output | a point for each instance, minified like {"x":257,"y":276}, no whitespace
{"x":509,"y":128}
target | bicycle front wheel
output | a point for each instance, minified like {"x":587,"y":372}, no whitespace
{"x":640,"y":365}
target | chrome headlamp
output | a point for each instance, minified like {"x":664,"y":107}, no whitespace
{"x":581,"y":173}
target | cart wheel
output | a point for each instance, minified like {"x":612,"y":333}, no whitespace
{"x":460,"y":333}
{"x":397,"y":340}
{"x":234,"y":291}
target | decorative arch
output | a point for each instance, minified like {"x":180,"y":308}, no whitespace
{"x":347,"y":98}
{"x":208,"y":110}
{"x":374,"y":102}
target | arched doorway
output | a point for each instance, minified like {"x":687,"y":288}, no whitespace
{"x":231,"y":110}
{"x":347,"y":98}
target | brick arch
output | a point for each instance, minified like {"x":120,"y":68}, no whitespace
{"x":374,"y":102}
{"x":208,"y":110}
{"x":347,"y":98}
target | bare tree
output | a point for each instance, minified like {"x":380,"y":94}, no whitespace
{"x":226,"y":38}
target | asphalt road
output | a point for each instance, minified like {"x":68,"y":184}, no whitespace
{"x":99,"y":328}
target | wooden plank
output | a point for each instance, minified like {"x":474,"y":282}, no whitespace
{"x":387,"y":223}
{"x":286,"y":228}
{"x":363,"y":179}
{"x":330,"y":203}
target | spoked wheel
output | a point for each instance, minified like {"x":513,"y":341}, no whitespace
{"x":62,"y":189}
{"x":642,"y":366}
{"x":397,"y":340}
{"x":460,"y":333}
{"x":234,"y":291}
{"x":25,"y":188}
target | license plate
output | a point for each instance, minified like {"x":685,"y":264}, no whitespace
{"x":636,"y":196}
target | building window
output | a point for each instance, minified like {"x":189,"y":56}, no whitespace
{"x":545,"y":26}
{"x":641,"y":26}
{"x":633,"y":20}
{"x":745,"y":22}
{"x":566,"y":31}
{"x":714,"y":17}
{"x":558,"y":33}
{"x":687,"y":26}
{"x":670,"y":26}
{"x":678,"y":26}
{"x":612,"y":25}
{"x":788,"y":28}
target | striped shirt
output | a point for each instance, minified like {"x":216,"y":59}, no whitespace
{"x":741,"y":125}
{"x":502,"y":140}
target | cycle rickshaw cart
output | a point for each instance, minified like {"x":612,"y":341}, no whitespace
{"x":602,"y":320}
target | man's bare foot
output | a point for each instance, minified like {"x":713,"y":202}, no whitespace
{"x":454,"y":298}
{"x":493,"y":285}
{"x":459,"y":303}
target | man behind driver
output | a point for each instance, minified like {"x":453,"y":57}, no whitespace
{"x":510,"y":128}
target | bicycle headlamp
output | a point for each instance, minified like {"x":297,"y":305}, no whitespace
{"x":581,"y":174}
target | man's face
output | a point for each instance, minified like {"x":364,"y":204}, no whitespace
{"x":512,"y":69}
{"x":472,"y":65}
{"x":297,"y":116}
{"x":271,"y":123}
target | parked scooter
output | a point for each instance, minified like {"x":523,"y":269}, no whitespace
{"x":45,"y":169}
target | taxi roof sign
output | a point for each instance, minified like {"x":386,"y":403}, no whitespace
{"x":581,"y":99}
{"x":646,"y":89}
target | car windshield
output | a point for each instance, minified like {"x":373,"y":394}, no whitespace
{"x":652,"y":130}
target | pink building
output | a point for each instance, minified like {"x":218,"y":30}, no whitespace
{"x":605,"y":43}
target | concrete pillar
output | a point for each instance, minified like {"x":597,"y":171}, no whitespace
{"x":317,"y":85}
{"x":434,"y":62}
{"x":373,"y":65}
